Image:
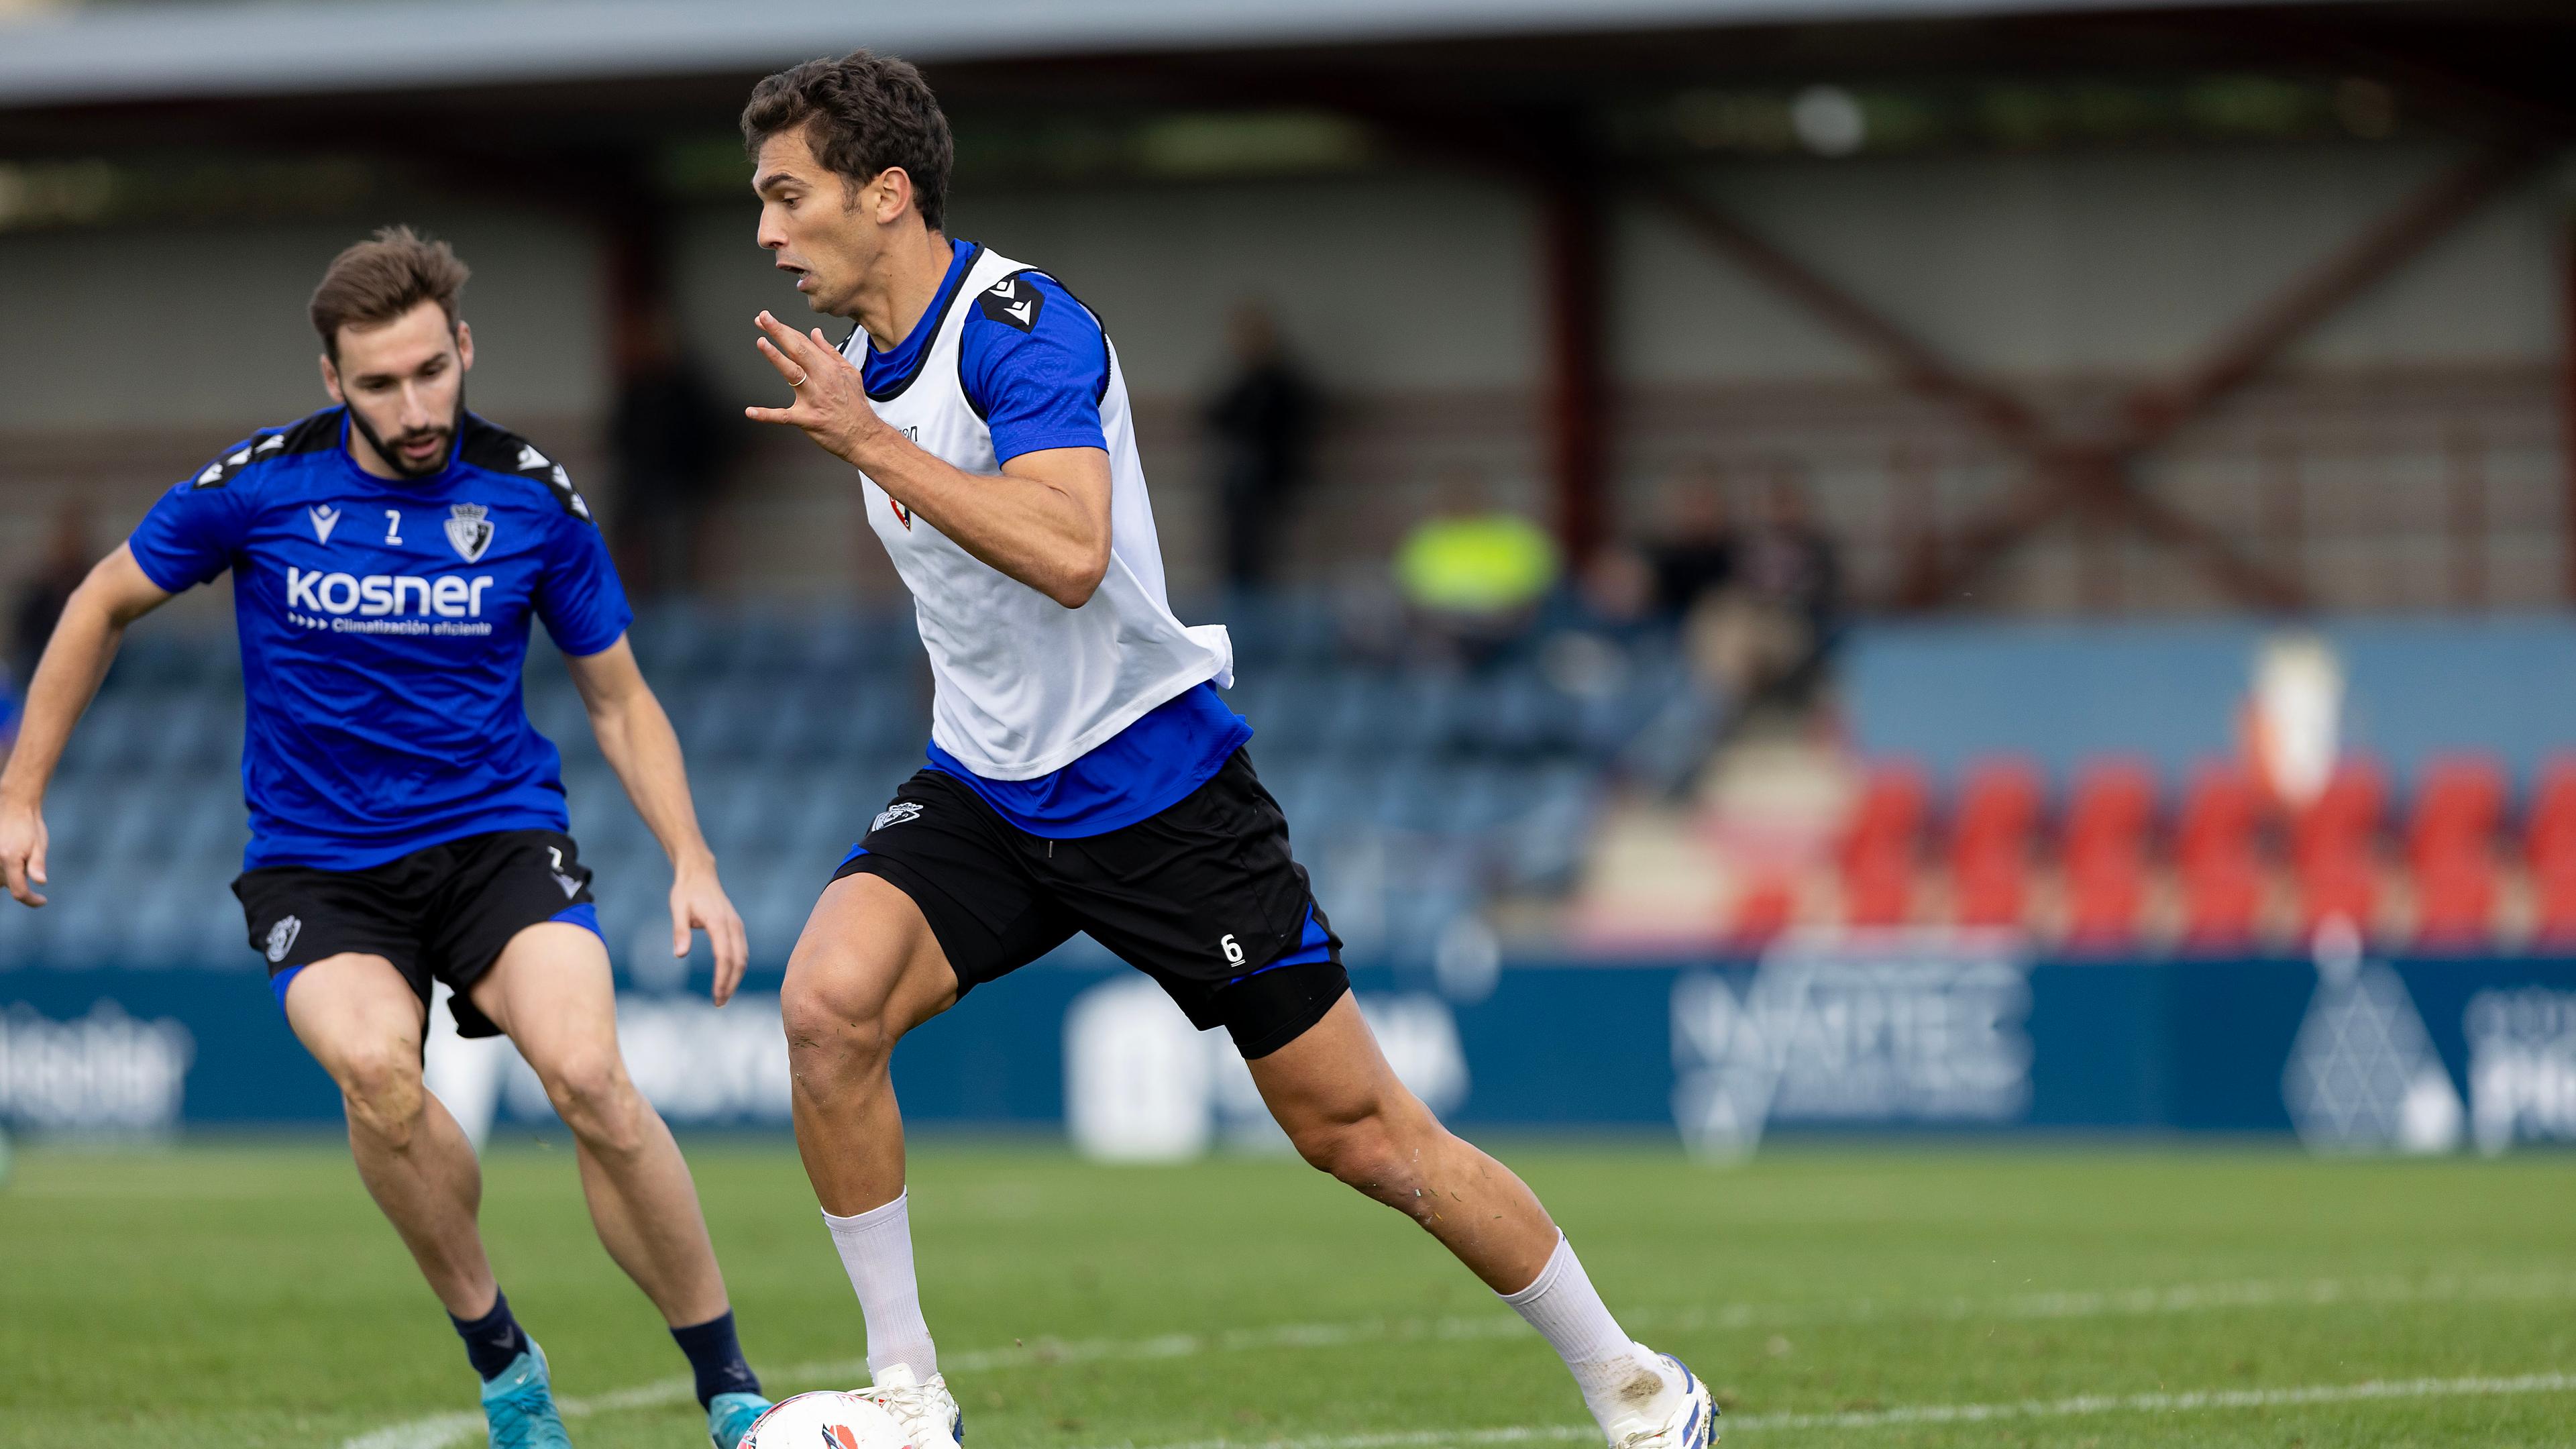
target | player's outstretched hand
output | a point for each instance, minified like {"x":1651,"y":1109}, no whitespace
{"x":831,"y":398}
{"x":22,"y":850}
{"x":699,"y":903}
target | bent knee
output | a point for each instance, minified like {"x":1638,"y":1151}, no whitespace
{"x":591,"y":1092}
{"x":382,"y":1090}
{"x":1363,"y":1152}
{"x":835,"y":1021}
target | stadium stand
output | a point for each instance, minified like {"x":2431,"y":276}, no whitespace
{"x":1416,"y":794}
{"x":2101,"y":816}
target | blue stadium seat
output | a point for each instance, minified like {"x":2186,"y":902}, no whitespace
{"x":113,"y":737}
{"x":219,"y":938}
{"x":1543,"y":844}
{"x":740,"y":806}
{"x":78,"y":812}
{"x":1289,"y":708}
{"x":555,"y":709}
{"x":207,"y":818}
{"x":886,"y":717}
{"x":136,"y":826}
{"x":197,"y":728}
{"x":89,"y":911}
{"x":808,"y":721}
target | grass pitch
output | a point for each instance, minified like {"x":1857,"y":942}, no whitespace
{"x":249,"y":1295}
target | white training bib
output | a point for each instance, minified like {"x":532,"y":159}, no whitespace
{"x":1023,"y":685}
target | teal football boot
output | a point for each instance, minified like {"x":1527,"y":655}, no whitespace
{"x":730,"y":1416}
{"x":520,"y":1405}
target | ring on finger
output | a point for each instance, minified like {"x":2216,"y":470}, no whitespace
{"x":801,"y":380}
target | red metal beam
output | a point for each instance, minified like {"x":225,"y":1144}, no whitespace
{"x":1916,"y":362}
{"x":2567,"y":388}
{"x":2154,"y":413}
{"x":2064,"y":474}
{"x":2433,"y":212}
{"x":1577,"y":382}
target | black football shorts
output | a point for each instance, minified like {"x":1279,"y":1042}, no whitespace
{"x":442,"y":913}
{"x":1204,"y":897}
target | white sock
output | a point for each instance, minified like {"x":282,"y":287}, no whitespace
{"x":1568,"y":1312}
{"x":876,"y":1248}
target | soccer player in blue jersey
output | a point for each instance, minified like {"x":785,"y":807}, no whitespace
{"x":407,"y":824}
{"x":1084,"y":774}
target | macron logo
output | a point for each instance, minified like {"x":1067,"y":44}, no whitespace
{"x":446,"y":595}
{"x":325,"y":518}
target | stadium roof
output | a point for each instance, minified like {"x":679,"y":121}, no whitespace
{"x":109,"y":54}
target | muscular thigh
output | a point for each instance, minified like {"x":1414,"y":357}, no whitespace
{"x":868,"y":953}
{"x":356,"y":1014}
{"x":551,"y":991}
{"x":1332,"y":1074}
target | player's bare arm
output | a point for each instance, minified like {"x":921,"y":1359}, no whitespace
{"x":636,"y":738}
{"x":84,"y":643}
{"x":1044,"y":522}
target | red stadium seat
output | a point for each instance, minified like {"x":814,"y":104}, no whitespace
{"x":2460,"y":805}
{"x":2104,"y":894}
{"x":2455,"y":899}
{"x":1878,"y":888}
{"x":1991,"y":887}
{"x":2553,"y":886}
{"x":2551,"y":833}
{"x":1998,"y":807}
{"x":2218,"y":815}
{"x":2110,"y":809}
{"x":1762,"y":911}
{"x":2222,"y":895}
{"x":1990,"y":842}
{"x":2451,"y":847}
{"x":2345,"y":817}
{"x":1889,"y":814}
{"x":2338,"y":884}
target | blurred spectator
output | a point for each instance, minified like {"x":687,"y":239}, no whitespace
{"x":1697,"y":555}
{"x":1765,"y":634}
{"x":1473,"y":573}
{"x":1261,"y":430}
{"x":67,"y":561}
{"x":669,"y":439}
{"x":1620,"y":589}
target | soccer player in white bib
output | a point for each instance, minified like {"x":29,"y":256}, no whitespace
{"x":1084,"y":774}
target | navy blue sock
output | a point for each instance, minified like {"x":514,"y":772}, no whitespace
{"x":493,"y":1341}
{"x":715,"y":1356}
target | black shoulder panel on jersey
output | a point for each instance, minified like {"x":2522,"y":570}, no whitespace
{"x":318,"y":433}
{"x":311,"y":435}
{"x":498,"y":450}
{"x":1012,"y":302}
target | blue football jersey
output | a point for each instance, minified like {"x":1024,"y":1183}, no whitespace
{"x":384,"y":626}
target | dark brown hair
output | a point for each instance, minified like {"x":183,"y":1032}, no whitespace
{"x":378,"y":280}
{"x":862,"y":114}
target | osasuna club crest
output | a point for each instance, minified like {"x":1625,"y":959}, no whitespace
{"x":469,"y":530}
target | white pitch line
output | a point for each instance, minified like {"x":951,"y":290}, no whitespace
{"x":438,"y":1431}
{"x":2089,"y":1404}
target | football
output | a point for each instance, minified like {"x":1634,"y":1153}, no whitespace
{"x":828,"y":1419}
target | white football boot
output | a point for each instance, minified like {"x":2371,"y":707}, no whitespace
{"x":1681,"y":1417}
{"x":928,"y":1413}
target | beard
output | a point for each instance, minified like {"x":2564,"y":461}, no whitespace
{"x":395,"y":460}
